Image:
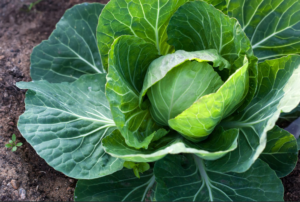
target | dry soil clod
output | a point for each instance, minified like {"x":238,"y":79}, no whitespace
{"x":15,"y":184}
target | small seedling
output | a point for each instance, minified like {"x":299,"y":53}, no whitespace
{"x":13,"y":143}
{"x":33,"y":4}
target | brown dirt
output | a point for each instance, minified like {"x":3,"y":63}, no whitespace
{"x":20,"y":31}
{"x":292,"y":184}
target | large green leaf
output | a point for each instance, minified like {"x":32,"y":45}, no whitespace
{"x":200,"y":119}
{"x":281,"y":151}
{"x":278,"y":92}
{"x":222,"y":141}
{"x":129,"y":59}
{"x":71,"y":50}
{"x":184,"y":178}
{"x":290,"y":116}
{"x":120,"y":186}
{"x":142,"y":18}
{"x":294,"y":128}
{"x":198,"y":26}
{"x":273,"y":26}
{"x":65,"y":124}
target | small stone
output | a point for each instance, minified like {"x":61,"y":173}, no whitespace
{"x":22,"y":193}
{"x":70,"y":189}
{"x":71,"y":180}
{"x":11,"y":123}
{"x":2,"y":57}
{"x":15,"y":184}
{"x":16,"y":193}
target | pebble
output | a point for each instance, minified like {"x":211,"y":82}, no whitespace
{"x":70,"y":189}
{"x":71,"y":180}
{"x":15,"y":184}
{"x":22,"y":193}
{"x":1,"y":57}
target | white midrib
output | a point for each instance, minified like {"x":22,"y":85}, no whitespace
{"x":105,"y":120}
{"x":156,"y":27}
{"x":265,"y":39}
{"x":262,"y":21}
{"x":81,"y":58}
{"x":206,"y":181}
{"x":245,"y":26}
{"x":150,"y":184}
{"x":290,"y":26}
{"x":204,"y":176}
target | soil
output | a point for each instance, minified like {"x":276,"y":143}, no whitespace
{"x":24,"y":171}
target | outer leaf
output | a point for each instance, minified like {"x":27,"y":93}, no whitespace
{"x":271,"y":25}
{"x":200,"y":119}
{"x":8,"y":145}
{"x":223,"y":141}
{"x":65,"y":124}
{"x":182,"y":178}
{"x":129,"y":59}
{"x":120,"y":186}
{"x":281,"y":151}
{"x":294,"y":127}
{"x":290,"y":116}
{"x":199,"y":26}
{"x":278,"y":92}
{"x":71,"y":50}
{"x":142,"y":18}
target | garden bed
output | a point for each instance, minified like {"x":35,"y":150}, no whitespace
{"x":20,"y":31}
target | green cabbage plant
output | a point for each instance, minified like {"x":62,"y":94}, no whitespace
{"x":168,"y":100}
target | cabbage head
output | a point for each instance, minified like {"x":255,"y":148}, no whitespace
{"x":168,"y":100}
